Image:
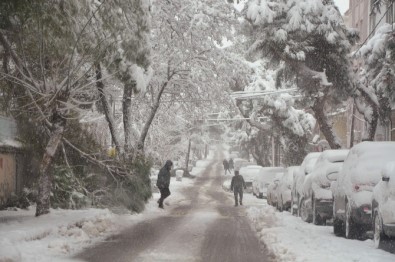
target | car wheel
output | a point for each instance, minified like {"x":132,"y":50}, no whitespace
{"x":293,"y":211}
{"x":280,"y":205}
{"x":304,"y":214}
{"x":338,"y":228}
{"x":316,"y":217}
{"x":299,"y":206}
{"x":351,"y":230}
{"x":378,"y":234}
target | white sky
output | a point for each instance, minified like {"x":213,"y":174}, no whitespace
{"x":342,"y":4}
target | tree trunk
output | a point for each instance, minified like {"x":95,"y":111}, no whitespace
{"x":352,"y":135}
{"x":107,"y":108}
{"x":371,"y":119}
{"x":187,"y":158}
{"x":325,"y":126}
{"x":154,"y":109}
{"x":260,"y":149}
{"x":45,"y":179}
{"x":127,"y":113}
{"x":372,"y":126}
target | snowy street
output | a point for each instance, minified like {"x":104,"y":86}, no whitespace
{"x":199,"y":223}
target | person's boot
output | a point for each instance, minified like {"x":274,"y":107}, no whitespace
{"x":241,"y":203}
{"x":236,"y":205}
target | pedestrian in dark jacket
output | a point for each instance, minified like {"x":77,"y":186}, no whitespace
{"x":231,"y":164}
{"x":163,"y":182}
{"x":237,"y":185}
{"x":226,"y":166}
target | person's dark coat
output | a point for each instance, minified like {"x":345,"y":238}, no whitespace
{"x":226,"y":164}
{"x":164,"y":175}
{"x":237,"y":182}
{"x":231,"y":164}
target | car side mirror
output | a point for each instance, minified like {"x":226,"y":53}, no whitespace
{"x":332,"y":176}
{"x":387,"y":171}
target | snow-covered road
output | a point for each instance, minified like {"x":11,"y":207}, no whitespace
{"x":200,"y":225}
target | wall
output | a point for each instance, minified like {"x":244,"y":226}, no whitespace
{"x":8,"y":178}
{"x":11,"y":160}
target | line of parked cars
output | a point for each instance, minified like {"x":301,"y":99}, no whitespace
{"x":355,"y":189}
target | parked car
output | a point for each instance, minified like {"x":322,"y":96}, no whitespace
{"x":360,"y":173}
{"x":249,"y":172}
{"x":240,"y":162}
{"x":284,"y":189}
{"x":299,"y":175}
{"x":317,"y":195}
{"x":272,"y":189}
{"x":263,"y":179}
{"x":383,"y":207}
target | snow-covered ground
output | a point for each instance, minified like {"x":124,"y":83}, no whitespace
{"x":291,"y":239}
{"x":63,"y":233}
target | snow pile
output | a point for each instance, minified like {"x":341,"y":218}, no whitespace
{"x":24,"y":237}
{"x":288,"y":238}
{"x":63,"y":233}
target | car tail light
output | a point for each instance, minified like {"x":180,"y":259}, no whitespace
{"x":363,"y":187}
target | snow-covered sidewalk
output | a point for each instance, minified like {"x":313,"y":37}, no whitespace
{"x":291,"y":239}
{"x":63,"y":233}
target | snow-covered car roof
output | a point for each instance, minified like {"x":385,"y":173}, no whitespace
{"x":249,"y":172}
{"x":268,"y":174}
{"x":333,"y":155}
{"x":329,"y":160}
{"x":289,"y":173}
{"x":366,"y":160}
{"x":309,"y":161}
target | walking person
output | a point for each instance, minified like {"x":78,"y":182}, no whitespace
{"x":231,"y":164}
{"x":163,"y":182}
{"x":226,"y":166}
{"x":237,"y":185}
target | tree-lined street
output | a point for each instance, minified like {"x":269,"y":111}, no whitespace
{"x":202,"y":226}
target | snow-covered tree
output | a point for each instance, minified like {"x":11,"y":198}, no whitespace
{"x":188,"y":70}
{"x":52,"y":50}
{"x":307,"y":43}
{"x":375,"y":91}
